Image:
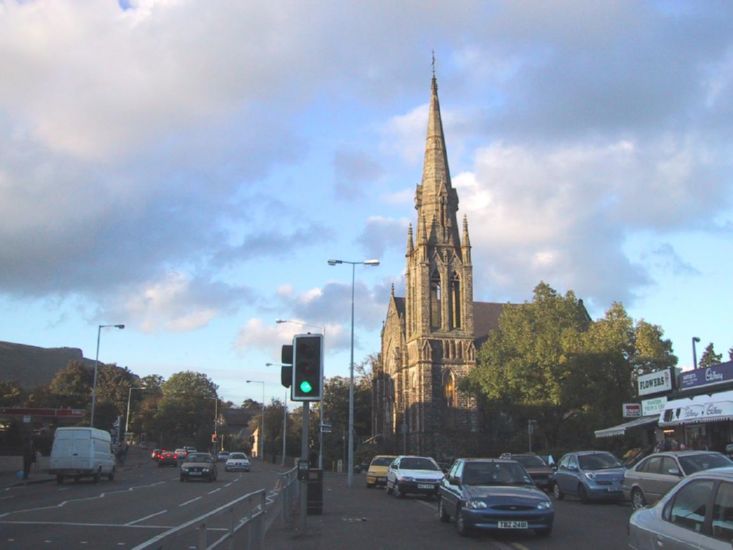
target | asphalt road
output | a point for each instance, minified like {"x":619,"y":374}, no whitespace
{"x":368,"y":519}
{"x":140,"y":503}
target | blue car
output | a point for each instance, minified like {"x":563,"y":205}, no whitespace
{"x":589,"y":475}
{"x":493,"y":495}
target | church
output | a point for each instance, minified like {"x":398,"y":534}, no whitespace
{"x":431,"y":335}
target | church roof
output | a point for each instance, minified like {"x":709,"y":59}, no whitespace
{"x":485,"y":319}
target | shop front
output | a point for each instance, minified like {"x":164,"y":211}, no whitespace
{"x":699,"y":422}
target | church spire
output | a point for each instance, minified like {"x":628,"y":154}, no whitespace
{"x":410,"y":245}
{"x":435,"y":197}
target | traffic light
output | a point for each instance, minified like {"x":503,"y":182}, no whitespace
{"x":286,"y":365}
{"x":307,"y":367}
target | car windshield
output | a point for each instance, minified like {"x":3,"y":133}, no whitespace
{"x":382,"y":461}
{"x":237,"y":455}
{"x":494,"y":473}
{"x":598,"y":461}
{"x":529,"y":461}
{"x":416,"y":463}
{"x":703,"y":461}
{"x":199,"y":457}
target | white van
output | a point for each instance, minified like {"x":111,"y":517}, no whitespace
{"x":82,"y":452}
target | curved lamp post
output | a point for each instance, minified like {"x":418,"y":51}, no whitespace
{"x":350,"y":454}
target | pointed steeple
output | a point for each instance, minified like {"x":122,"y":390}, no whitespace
{"x":435,"y":196}
{"x":466,"y":244}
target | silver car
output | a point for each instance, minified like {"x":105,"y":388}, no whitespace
{"x":696,"y":513}
{"x":656,"y":474}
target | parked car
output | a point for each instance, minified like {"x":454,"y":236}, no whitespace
{"x":198,"y":466}
{"x":413,"y":474}
{"x":222,"y":456}
{"x":181,"y":453}
{"x":656,"y":474}
{"x":540,"y":472}
{"x":696,"y":513}
{"x":493,"y":494}
{"x":155,"y":454}
{"x":167,"y":458}
{"x":377,"y":470}
{"x":237,"y":461}
{"x":589,"y":475}
{"x":82,"y":452}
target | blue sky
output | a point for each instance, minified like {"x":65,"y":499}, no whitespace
{"x":187,"y":168}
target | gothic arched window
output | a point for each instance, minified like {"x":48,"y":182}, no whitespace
{"x":435,"y":301}
{"x":449,"y":389}
{"x":455,"y":301}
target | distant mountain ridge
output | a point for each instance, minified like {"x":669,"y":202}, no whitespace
{"x":32,"y":366}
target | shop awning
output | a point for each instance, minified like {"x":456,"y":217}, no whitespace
{"x":618,"y":431}
{"x":715,"y":407}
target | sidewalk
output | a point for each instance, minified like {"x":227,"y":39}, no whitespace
{"x":342,"y":524}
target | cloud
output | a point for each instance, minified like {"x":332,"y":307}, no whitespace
{"x":355,"y":173}
{"x":381,"y":234}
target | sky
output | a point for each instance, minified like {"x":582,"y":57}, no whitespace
{"x":188,"y":167}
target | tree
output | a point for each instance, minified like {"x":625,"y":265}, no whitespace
{"x":709,"y":357}
{"x":11,"y":394}
{"x":547,"y":361}
{"x":72,"y":386}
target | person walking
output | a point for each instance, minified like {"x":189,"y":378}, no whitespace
{"x":29,"y":457}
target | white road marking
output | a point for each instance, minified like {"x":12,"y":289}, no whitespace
{"x":215,"y":491}
{"x":188,"y":502}
{"x":76,"y":524}
{"x":228,"y":484}
{"x":146,"y":517}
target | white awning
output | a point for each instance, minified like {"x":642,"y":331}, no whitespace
{"x":700,"y":408}
{"x":617,"y":431}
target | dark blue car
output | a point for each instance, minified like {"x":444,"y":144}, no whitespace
{"x":493,"y":494}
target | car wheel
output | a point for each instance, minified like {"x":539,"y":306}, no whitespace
{"x":637,"y":499}
{"x":397,"y":491}
{"x":543,"y":532}
{"x":442,"y":512}
{"x":582,"y":493}
{"x":388,"y":488}
{"x":369,"y":485}
{"x":59,"y":479}
{"x":557,"y":493}
{"x":461,"y":526}
{"x":96,"y":477}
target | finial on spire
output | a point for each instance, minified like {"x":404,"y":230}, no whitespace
{"x":433,"y":63}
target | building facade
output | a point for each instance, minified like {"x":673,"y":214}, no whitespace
{"x":431,"y":335}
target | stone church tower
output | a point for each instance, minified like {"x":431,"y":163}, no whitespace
{"x":429,"y":339}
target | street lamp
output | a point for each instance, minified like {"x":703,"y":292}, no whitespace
{"x":285,"y":415}
{"x":695,"y":340}
{"x":323,"y":388}
{"x":96,"y":367}
{"x":129,"y":395}
{"x":350,"y":455}
{"x":262,"y":422}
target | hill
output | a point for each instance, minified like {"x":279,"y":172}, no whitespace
{"x":31,"y":366}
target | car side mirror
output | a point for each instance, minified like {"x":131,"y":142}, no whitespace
{"x":454,"y":480}
{"x":572,"y":468}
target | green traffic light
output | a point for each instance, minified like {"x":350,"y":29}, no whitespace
{"x":306,"y":387}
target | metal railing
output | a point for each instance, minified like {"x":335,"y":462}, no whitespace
{"x":241,"y":523}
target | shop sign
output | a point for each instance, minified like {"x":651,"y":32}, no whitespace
{"x":710,"y":376}
{"x":655,"y":382}
{"x":631,"y":410}
{"x":655,"y":405}
{"x":699,"y":412}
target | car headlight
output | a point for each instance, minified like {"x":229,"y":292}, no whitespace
{"x":476,"y":504}
{"x":590,"y":475}
{"x":204,"y":469}
{"x":544,"y":505}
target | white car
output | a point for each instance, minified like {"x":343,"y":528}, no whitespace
{"x":237,"y":462}
{"x":413,"y":474}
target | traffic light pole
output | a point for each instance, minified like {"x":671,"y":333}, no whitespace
{"x":304,"y":457}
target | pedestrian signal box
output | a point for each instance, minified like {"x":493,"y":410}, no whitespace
{"x":307,"y":367}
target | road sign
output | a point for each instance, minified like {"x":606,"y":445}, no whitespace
{"x":326,"y":428}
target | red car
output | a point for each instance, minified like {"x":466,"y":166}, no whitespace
{"x":167,"y":458}
{"x":155,"y":454}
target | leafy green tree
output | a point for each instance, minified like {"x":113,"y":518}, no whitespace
{"x":186,"y":410}
{"x":709,"y":357}
{"x":71,"y":386}
{"x":11,"y":394}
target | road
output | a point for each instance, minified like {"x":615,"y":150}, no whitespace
{"x":368,"y":519}
{"x":139,"y":504}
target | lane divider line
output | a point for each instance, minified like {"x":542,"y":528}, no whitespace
{"x":189,"y":502}
{"x":146,"y":517}
{"x":215,"y":491}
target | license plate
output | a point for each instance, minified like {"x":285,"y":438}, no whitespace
{"x":425,"y":486}
{"x":512,"y":525}
{"x":194,"y":473}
